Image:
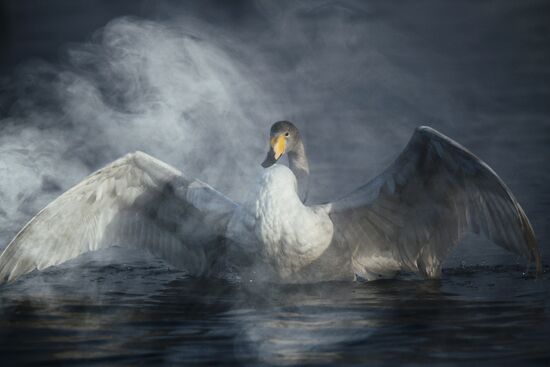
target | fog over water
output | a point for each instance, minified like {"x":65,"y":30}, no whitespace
{"x":198,"y":84}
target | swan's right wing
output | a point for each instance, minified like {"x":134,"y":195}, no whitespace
{"x":136,"y":201}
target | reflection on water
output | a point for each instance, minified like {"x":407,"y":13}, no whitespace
{"x":143,"y":313}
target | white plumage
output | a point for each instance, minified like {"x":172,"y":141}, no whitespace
{"x":291,"y":234}
{"x":408,"y":218}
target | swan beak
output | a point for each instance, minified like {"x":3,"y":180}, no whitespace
{"x":278,"y":146}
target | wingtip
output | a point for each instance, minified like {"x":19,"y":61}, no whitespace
{"x":532,"y":248}
{"x":538,"y":262}
{"x":5,"y":276}
{"x":530,"y":239}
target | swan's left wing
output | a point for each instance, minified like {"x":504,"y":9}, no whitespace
{"x":136,"y":201}
{"x":412,"y":215}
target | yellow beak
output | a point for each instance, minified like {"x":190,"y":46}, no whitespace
{"x":278,"y":144}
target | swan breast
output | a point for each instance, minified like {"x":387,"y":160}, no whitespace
{"x":287,"y":235}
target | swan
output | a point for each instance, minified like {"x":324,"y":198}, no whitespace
{"x":406,"y":219}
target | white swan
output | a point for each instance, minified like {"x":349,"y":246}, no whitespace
{"x":408,"y":218}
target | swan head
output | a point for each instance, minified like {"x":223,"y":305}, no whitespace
{"x":284,"y":137}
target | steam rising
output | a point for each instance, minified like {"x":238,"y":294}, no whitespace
{"x":138,"y":85}
{"x":355,"y":77}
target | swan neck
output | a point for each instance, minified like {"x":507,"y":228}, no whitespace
{"x":299,"y":165}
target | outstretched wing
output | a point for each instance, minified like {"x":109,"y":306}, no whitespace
{"x":412,"y":215}
{"x":136,"y":201}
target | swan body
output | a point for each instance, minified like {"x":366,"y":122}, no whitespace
{"x":273,"y":222}
{"x":408,"y":218}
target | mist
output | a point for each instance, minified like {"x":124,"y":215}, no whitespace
{"x":355,"y":77}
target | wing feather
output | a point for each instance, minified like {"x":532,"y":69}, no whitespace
{"x":424,"y":203}
{"x":136,"y":201}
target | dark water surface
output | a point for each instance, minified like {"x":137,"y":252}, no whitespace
{"x":143,"y":313}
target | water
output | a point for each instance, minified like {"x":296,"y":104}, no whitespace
{"x":143,"y":312}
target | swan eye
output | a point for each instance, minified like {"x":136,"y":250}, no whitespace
{"x":287,"y":133}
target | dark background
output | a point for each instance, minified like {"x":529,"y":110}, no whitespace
{"x":34,"y":28}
